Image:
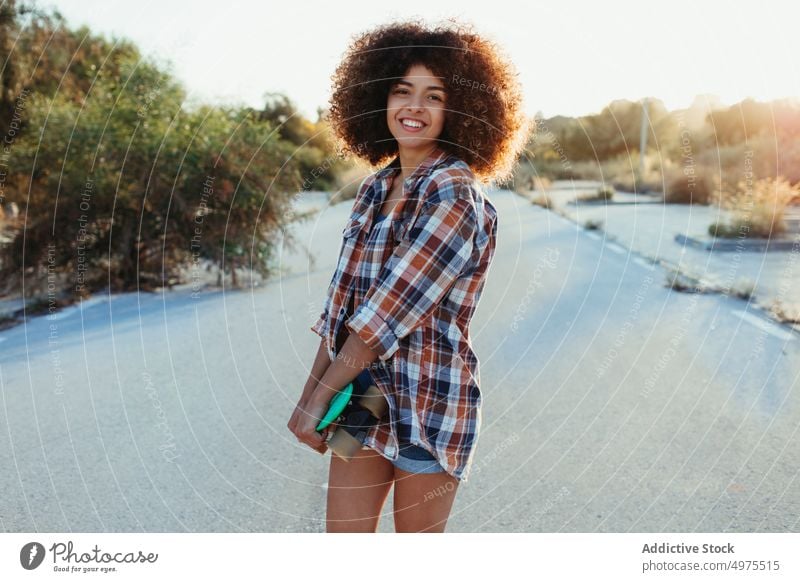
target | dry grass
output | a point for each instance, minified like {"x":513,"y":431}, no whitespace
{"x":684,"y":282}
{"x":784,"y":313}
{"x":542,"y":200}
{"x":756,"y":208}
{"x":603,"y":194}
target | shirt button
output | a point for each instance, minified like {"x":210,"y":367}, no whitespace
{"x":342,"y":310}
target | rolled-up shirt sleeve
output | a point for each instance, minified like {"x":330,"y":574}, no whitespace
{"x":319,"y":326}
{"x":418,"y":275}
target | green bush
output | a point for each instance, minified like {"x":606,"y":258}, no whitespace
{"x":144,"y":185}
{"x":723,"y":229}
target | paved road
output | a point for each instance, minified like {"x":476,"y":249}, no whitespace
{"x":611,"y":403}
{"x":650,"y":230}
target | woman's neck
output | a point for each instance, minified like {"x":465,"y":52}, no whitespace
{"x":410,"y":158}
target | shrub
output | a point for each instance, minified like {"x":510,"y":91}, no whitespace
{"x":688,"y":189}
{"x":622,"y":173}
{"x":783,"y":312}
{"x":756,"y":208}
{"x":542,"y":200}
{"x":348,"y":182}
{"x":723,"y":230}
{"x":527,"y":178}
{"x":541,"y":183}
{"x":605,"y":192}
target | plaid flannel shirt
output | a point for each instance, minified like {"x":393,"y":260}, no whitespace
{"x":415,"y":280}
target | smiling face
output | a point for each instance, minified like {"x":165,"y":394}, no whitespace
{"x":415,"y":109}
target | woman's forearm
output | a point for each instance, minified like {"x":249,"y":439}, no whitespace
{"x":354,"y":356}
{"x":318,"y":368}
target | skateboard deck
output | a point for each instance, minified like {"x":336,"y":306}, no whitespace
{"x":354,"y":413}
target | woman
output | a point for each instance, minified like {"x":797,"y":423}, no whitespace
{"x":446,"y":109}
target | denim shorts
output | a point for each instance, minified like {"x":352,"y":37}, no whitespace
{"x":411,"y":458}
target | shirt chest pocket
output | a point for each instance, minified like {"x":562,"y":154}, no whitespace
{"x":353,"y":226}
{"x":399,"y":227}
{"x":349,"y":247}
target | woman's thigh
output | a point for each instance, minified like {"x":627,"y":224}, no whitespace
{"x":357,"y":491}
{"x":422,"y":501}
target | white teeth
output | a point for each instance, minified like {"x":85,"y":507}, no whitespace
{"x":411,"y":123}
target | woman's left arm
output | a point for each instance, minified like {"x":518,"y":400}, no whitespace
{"x":353,"y":357}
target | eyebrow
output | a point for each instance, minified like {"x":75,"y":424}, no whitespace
{"x":435,"y":87}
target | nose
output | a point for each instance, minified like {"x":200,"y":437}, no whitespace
{"x":416,"y":103}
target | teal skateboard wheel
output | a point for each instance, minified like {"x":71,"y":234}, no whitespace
{"x":336,"y":406}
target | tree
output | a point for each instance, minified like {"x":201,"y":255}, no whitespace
{"x":122,"y":186}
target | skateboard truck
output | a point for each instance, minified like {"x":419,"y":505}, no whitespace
{"x":354,"y":413}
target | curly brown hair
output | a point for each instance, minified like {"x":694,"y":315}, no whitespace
{"x":484,"y":123}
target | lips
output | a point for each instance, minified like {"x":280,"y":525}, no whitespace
{"x":412,"y":125}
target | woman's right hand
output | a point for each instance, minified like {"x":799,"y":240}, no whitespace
{"x":321,"y":363}
{"x":297,"y":414}
{"x":303,"y":421}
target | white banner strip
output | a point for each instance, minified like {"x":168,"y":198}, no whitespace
{"x":265,"y":556}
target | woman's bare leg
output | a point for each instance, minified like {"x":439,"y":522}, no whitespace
{"x":357,"y":491}
{"x":422,"y":501}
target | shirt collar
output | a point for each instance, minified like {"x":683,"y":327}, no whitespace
{"x":380,"y":185}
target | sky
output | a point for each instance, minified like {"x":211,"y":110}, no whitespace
{"x":573,"y":57}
